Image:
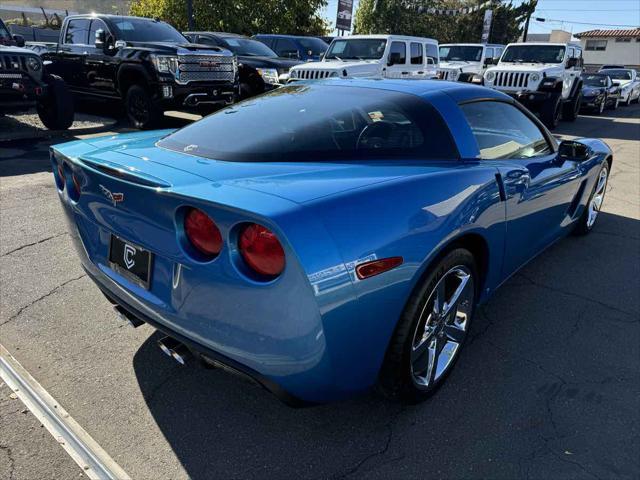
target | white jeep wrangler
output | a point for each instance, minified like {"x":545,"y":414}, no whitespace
{"x":545,"y":77}
{"x":466,"y":62}
{"x":373,"y":56}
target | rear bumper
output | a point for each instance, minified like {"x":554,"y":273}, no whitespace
{"x":204,"y":352}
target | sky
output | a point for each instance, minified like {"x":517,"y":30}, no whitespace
{"x":571,"y":15}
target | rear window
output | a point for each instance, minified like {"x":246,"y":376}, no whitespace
{"x":319,"y":123}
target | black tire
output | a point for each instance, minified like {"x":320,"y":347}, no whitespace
{"x":551,"y":110}
{"x":571,"y":109}
{"x":142,"y":111}
{"x":56,"y":109}
{"x":614,"y":104}
{"x":246,"y":91}
{"x":584,"y":225}
{"x":397,"y":378}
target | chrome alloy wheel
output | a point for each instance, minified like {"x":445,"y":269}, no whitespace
{"x":442,"y":326}
{"x":598,"y":197}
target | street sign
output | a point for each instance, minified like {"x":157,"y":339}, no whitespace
{"x":343,"y":19}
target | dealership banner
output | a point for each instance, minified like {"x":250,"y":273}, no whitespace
{"x":343,"y":19}
{"x":486,"y":25}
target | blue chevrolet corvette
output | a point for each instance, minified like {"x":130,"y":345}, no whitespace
{"x":326,"y":238}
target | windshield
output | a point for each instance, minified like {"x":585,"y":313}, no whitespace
{"x":465,"y":53}
{"x":313,"y":46}
{"x":534,"y":54}
{"x":248,"y":47}
{"x":357,"y":49}
{"x":318,"y":122}
{"x":4,"y":33}
{"x":595,"y":80}
{"x":619,"y":74}
{"x":140,"y":30}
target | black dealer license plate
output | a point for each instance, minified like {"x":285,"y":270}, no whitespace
{"x":131,"y":261}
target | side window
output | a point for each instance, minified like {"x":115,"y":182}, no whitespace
{"x":431,"y":52}
{"x":504,"y":132}
{"x":207,"y":40}
{"x":416,"y":54}
{"x":499,"y":52}
{"x":489,"y":53}
{"x":286,"y":48}
{"x":268,"y":41}
{"x":77,"y":31}
{"x":400,"y":51}
{"x":96,"y":25}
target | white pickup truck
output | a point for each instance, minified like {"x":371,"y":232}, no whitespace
{"x":466,"y":62}
{"x":545,"y":77}
{"x":373,"y":56}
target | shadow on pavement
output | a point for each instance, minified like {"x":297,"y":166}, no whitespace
{"x":548,"y":386}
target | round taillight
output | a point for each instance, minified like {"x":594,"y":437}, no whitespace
{"x":261,"y":250}
{"x":76,"y":183}
{"x":202,"y":232}
{"x":61,"y":176}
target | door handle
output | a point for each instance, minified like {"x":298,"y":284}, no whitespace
{"x":404,"y":73}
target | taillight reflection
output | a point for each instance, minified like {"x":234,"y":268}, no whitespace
{"x":261,"y":250}
{"x":202,"y":233}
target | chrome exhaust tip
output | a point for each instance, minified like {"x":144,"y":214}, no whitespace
{"x":127,"y":317}
{"x":181,"y":354}
{"x":167,"y":344}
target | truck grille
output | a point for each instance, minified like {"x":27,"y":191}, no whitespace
{"x":13,"y":62}
{"x":312,"y":74}
{"x":202,"y":68}
{"x":512,"y":79}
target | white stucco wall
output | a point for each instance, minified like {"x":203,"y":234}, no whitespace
{"x":623,"y":53}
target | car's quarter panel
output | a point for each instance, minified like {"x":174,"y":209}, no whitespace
{"x":416,"y":216}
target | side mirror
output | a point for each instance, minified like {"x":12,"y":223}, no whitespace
{"x":120,"y":44}
{"x":617,"y":84}
{"x":19,"y":39}
{"x":99,"y":39}
{"x":394,"y":59}
{"x":572,"y":150}
{"x":572,"y":62}
{"x":488,"y":61}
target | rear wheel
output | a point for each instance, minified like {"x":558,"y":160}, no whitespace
{"x":594,"y":205}
{"x":571,"y":109}
{"x":56,"y":108}
{"x":143,"y":113}
{"x":550,"y":111}
{"x":432,"y":330}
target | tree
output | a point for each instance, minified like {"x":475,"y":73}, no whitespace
{"x":403,"y":17}
{"x":297,"y":17}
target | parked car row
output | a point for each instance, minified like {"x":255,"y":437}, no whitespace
{"x":150,"y":67}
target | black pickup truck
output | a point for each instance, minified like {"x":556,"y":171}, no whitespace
{"x":146,"y":63}
{"x":24,"y":85}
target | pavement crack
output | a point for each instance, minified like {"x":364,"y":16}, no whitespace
{"x":634,"y":315}
{"x":488,"y":323}
{"x":48,"y":294}
{"x":12,"y":462}
{"x":378,"y":453}
{"x":33,"y":243}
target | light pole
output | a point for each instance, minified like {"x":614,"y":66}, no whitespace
{"x":190,"y":15}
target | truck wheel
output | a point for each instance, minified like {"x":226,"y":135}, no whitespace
{"x":56,"y":108}
{"x":246,"y":91}
{"x":571,"y":109}
{"x":143,"y":113}
{"x":550,"y":111}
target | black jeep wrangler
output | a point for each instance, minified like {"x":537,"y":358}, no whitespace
{"x":24,"y":84}
{"x":145,"y":63}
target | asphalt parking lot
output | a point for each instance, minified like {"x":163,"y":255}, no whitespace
{"x":548,"y":387}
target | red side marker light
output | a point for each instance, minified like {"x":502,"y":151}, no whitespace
{"x":375,"y":267}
